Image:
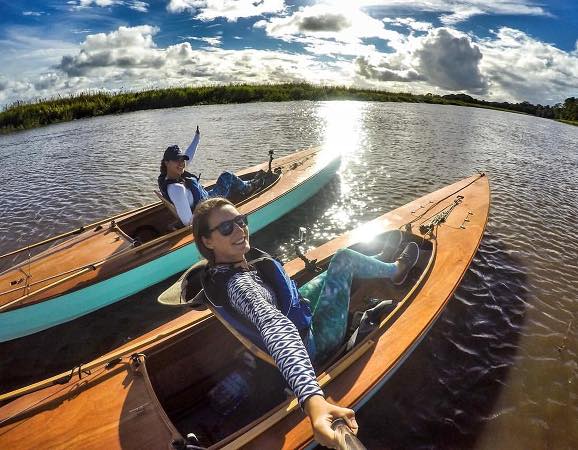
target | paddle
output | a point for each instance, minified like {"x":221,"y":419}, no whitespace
{"x":347,"y":440}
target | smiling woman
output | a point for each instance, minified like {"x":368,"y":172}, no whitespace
{"x":184,"y":190}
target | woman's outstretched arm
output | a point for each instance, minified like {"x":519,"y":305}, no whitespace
{"x":192,"y":148}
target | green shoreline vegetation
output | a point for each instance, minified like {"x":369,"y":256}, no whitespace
{"x":24,"y":115}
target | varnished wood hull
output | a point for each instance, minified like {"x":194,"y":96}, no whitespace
{"x":117,"y":407}
{"x":129,"y":269}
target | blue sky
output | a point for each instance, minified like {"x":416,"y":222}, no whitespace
{"x":506,"y":50}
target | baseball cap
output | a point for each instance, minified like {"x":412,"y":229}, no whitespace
{"x":174,"y":153}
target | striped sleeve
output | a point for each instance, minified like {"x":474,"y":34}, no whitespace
{"x":279,"y":335}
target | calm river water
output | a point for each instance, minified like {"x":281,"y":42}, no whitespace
{"x":499,"y":370}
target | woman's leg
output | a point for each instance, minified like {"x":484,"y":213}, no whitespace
{"x":226,"y":183}
{"x":329,"y":296}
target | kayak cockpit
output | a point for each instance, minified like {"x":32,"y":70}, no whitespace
{"x":162,"y":220}
{"x":210,"y":385}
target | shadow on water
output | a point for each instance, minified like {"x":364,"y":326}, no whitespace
{"x":58,"y":349}
{"x":444,"y":393}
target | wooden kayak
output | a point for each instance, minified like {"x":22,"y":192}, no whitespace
{"x":105,"y":262}
{"x":156,"y":392}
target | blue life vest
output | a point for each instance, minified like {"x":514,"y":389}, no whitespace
{"x":289,"y":301}
{"x":190,"y":181}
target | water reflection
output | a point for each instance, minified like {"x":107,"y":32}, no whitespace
{"x":344,"y":131}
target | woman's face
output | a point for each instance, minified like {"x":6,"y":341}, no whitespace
{"x":175,"y":168}
{"x":231,"y":248}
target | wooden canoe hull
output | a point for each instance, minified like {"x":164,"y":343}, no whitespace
{"x":56,"y":416}
{"x":306,"y":173}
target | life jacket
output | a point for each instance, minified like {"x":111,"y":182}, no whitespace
{"x":289,"y":301}
{"x":190,"y":181}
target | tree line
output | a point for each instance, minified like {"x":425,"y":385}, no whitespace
{"x":23,"y":115}
{"x":567,"y":111}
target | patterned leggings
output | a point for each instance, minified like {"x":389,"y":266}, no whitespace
{"x":226,"y":183}
{"x":329,"y":296}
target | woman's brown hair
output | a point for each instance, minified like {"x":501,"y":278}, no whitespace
{"x":201,"y":223}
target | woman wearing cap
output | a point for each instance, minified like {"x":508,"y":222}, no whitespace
{"x":262,"y":303}
{"x":184,"y":190}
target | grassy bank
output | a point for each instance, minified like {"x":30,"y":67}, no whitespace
{"x":20,"y":115}
{"x":569,"y":122}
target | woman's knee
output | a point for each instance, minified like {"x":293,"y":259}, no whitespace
{"x":343,"y":254}
{"x":225,"y":176}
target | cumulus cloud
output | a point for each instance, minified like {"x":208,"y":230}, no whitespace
{"x":339,"y":23}
{"x":129,"y":56}
{"x":445,"y":59}
{"x":451,"y":62}
{"x":231,"y":10}
{"x":123,"y":48}
{"x":522,"y":68}
{"x":366,"y":70}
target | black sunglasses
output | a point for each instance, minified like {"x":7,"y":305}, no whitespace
{"x":227,"y":227}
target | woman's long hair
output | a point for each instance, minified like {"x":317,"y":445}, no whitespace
{"x":163,"y":168}
{"x":201,"y":223}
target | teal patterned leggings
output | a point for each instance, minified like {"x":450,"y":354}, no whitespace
{"x":329,"y":296}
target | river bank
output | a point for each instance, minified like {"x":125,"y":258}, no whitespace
{"x":22,"y":115}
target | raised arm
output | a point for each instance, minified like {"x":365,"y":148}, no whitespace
{"x":192,"y":149}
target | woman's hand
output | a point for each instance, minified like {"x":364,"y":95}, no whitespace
{"x":322,"y":414}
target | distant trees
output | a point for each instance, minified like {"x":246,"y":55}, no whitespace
{"x":566,"y":111}
{"x":22,"y":115}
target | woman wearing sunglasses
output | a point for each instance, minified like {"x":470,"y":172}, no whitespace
{"x":184,"y":190}
{"x":263,"y":304}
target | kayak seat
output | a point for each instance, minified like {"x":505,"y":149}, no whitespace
{"x":201,"y":298}
{"x":172,"y":226}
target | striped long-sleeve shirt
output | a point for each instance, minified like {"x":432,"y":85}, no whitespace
{"x":252,"y":298}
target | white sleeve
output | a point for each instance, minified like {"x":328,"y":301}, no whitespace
{"x":178,"y":195}
{"x":192,"y":149}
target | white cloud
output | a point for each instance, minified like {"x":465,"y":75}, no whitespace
{"x":136,"y":5}
{"x":123,"y":48}
{"x":509,"y":65}
{"x":139,"y":6}
{"x":454,"y":11}
{"x":451,"y":62}
{"x":130,"y":57}
{"x":336,"y":23}
{"x":522,"y":68}
{"x":214,"y":41}
{"x":33,"y":13}
{"x":443,"y":59}
{"x":230,"y":10}
{"x":410,"y":23}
